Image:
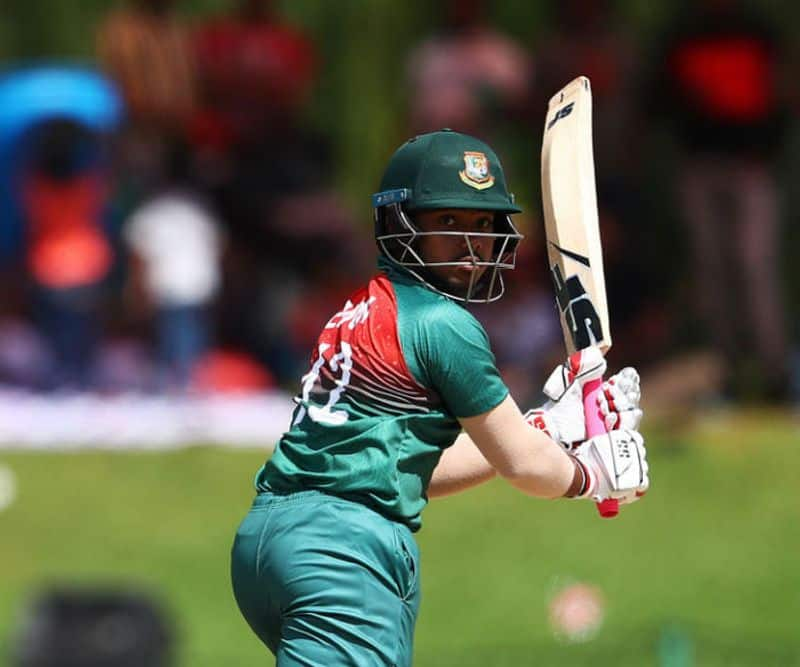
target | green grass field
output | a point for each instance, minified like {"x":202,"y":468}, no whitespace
{"x":712,"y":554}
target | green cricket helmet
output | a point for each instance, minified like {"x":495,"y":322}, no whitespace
{"x":446,"y":170}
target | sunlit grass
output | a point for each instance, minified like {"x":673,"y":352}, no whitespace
{"x":710,"y":556}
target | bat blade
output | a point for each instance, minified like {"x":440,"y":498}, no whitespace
{"x":570,"y":214}
{"x":572,"y":231}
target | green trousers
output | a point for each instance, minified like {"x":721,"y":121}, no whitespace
{"x":326,"y":582}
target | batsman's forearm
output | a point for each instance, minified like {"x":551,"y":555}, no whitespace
{"x":548,"y":473}
{"x":525,"y":456}
{"x":461,"y":467}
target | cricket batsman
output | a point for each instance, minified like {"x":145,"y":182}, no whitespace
{"x":403,"y":402}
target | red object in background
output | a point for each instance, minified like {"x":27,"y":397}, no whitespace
{"x":729,"y":78}
{"x":210,"y":131}
{"x":230,"y":372}
{"x":261,"y":63}
{"x":66,"y":245}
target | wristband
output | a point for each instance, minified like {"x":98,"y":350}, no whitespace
{"x":580,"y":481}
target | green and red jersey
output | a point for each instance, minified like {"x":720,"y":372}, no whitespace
{"x":390,"y":374}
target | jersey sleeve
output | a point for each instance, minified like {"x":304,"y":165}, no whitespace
{"x":455,"y":360}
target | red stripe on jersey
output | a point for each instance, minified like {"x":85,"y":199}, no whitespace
{"x":378,"y":374}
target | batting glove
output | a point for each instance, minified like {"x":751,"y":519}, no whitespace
{"x":619,"y":401}
{"x":615,"y":466}
{"x":561,"y":417}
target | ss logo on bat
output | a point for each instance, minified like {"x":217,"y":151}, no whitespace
{"x":561,"y":113}
{"x":578,"y":310}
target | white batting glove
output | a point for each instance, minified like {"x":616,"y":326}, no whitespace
{"x":619,"y":400}
{"x":615,"y":465}
{"x":562,"y":416}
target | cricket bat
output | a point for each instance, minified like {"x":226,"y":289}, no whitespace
{"x":574,"y":252}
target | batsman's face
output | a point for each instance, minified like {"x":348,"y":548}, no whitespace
{"x":446,"y":246}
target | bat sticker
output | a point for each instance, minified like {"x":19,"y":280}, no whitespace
{"x":578,"y":310}
{"x":572,"y":255}
{"x":561,"y":113}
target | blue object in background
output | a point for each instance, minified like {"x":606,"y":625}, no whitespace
{"x":31,"y":95}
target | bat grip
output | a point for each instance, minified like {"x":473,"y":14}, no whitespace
{"x":609,"y":507}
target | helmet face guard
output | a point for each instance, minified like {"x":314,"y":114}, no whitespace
{"x":397,"y":237}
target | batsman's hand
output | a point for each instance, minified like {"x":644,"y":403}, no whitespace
{"x":615,"y":464}
{"x":562,"y":416}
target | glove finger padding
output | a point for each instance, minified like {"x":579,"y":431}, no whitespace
{"x":617,"y":466}
{"x":619,"y":401}
{"x":627,"y":381}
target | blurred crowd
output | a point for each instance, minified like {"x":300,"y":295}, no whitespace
{"x":171,"y":221}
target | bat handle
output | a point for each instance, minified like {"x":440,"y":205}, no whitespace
{"x":595,"y":425}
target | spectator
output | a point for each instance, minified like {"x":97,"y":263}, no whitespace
{"x":145,"y":49}
{"x":468,"y":76}
{"x":718,"y":88}
{"x":68,"y":254}
{"x":175,"y":244}
{"x":31,"y":96}
{"x":256,"y":72}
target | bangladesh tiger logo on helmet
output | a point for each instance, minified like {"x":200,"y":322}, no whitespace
{"x":476,"y":170}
